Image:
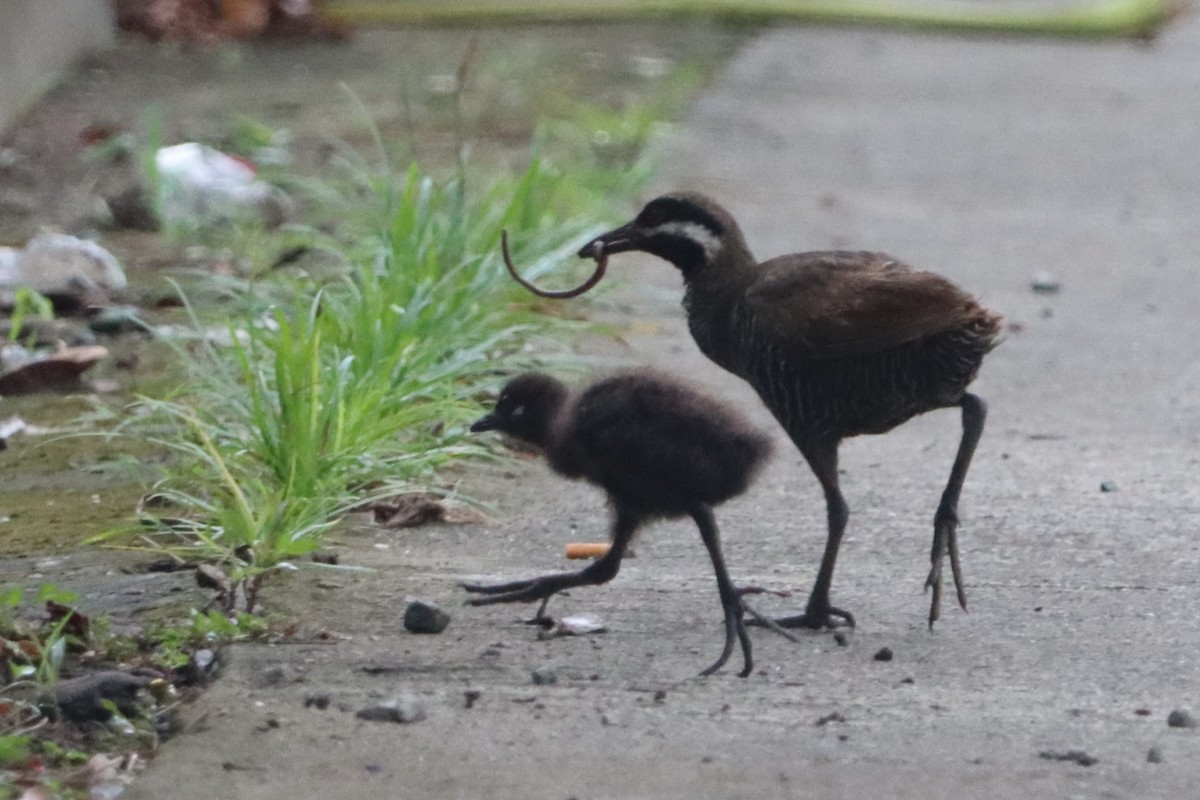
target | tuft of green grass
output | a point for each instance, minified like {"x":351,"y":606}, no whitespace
{"x":27,"y":303}
{"x":333,"y":391}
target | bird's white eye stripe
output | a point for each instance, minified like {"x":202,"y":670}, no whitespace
{"x":698,"y":233}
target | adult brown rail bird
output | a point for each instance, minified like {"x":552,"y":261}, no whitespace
{"x":836,"y":343}
{"x":657,"y":447}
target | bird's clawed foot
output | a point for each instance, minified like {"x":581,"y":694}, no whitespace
{"x":761,"y":620}
{"x":735,"y":627}
{"x":813,"y":619}
{"x":945,"y":540}
{"x":525,"y":591}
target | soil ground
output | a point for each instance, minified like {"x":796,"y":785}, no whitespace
{"x":986,"y":160}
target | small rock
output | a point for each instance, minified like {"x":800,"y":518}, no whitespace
{"x":471,"y":697}
{"x":1044,"y":283}
{"x":1154,"y":756}
{"x":82,"y":699}
{"x":883,"y":654}
{"x":840,"y":639}
{"x":833,"y":716}
{"x":424,"y":617}
{"x":1181,"y":718}
{"x":317,"y":701}
{"x":544,"y":676}
{"x":117,"y":319}
{"x":1108,"y":486}
{"x":275,"y":675}
{"x":401,"y":710}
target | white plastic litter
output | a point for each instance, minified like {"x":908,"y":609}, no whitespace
{"x":55,"y":263}
{"x":200,"y":186}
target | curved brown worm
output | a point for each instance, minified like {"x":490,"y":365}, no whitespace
{"x":601,"y":265}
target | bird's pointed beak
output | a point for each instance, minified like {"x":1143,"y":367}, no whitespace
{"x":618,"y":240}
{"x":488,"y":422}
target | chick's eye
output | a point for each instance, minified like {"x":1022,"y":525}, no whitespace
{"x":518,"y":411}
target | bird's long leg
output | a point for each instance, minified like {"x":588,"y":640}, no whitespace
{"x":731,"y":601}
{"x":602,"y":570}
{"x":822,"y":456}
{"x":945,"y":521}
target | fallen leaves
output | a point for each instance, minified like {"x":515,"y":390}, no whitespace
{"x":207,"y":23}
{"x":419,"y":508}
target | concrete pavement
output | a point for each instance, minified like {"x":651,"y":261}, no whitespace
{"x":988,"y":161}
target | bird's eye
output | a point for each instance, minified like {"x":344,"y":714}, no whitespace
{"x":651,"y":217}
{"x":518,"y":411}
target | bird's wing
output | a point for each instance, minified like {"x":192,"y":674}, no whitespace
{"x":840,"y":303}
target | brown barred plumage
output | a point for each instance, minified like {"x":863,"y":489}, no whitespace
{"x":836,"y":343}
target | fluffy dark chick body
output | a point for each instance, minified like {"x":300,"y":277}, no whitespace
{"x":657,"y":447}
{"x":654,"y":445}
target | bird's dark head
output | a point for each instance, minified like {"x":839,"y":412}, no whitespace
{"x":525,"y":408}
{"x":689,"y":230}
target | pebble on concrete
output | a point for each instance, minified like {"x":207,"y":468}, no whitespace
{"x":83,"y":699}
{"x":425,"y":617}
{"x":1044,"y":283}
{"x":401,"y":710}
{"x":1181,"y":718}
{"x":884,"y":654}
{"x":544,"y":676}
{"x":317,"y":701}
{"x":1154,"y":756}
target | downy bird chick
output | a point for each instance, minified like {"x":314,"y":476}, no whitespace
{"x":657,"y":447}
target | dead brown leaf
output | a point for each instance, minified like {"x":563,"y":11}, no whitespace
{"x":418,"y":508}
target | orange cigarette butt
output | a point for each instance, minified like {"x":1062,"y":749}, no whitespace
{"x":577,"y":550}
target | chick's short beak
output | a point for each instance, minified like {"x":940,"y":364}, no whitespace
{"x":484,"y":423}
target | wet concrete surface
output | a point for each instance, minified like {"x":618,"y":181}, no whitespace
{"x":986,"y":160}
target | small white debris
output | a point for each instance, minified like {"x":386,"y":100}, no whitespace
{"x":1044,"y":283}
{"x":579,"y":625}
